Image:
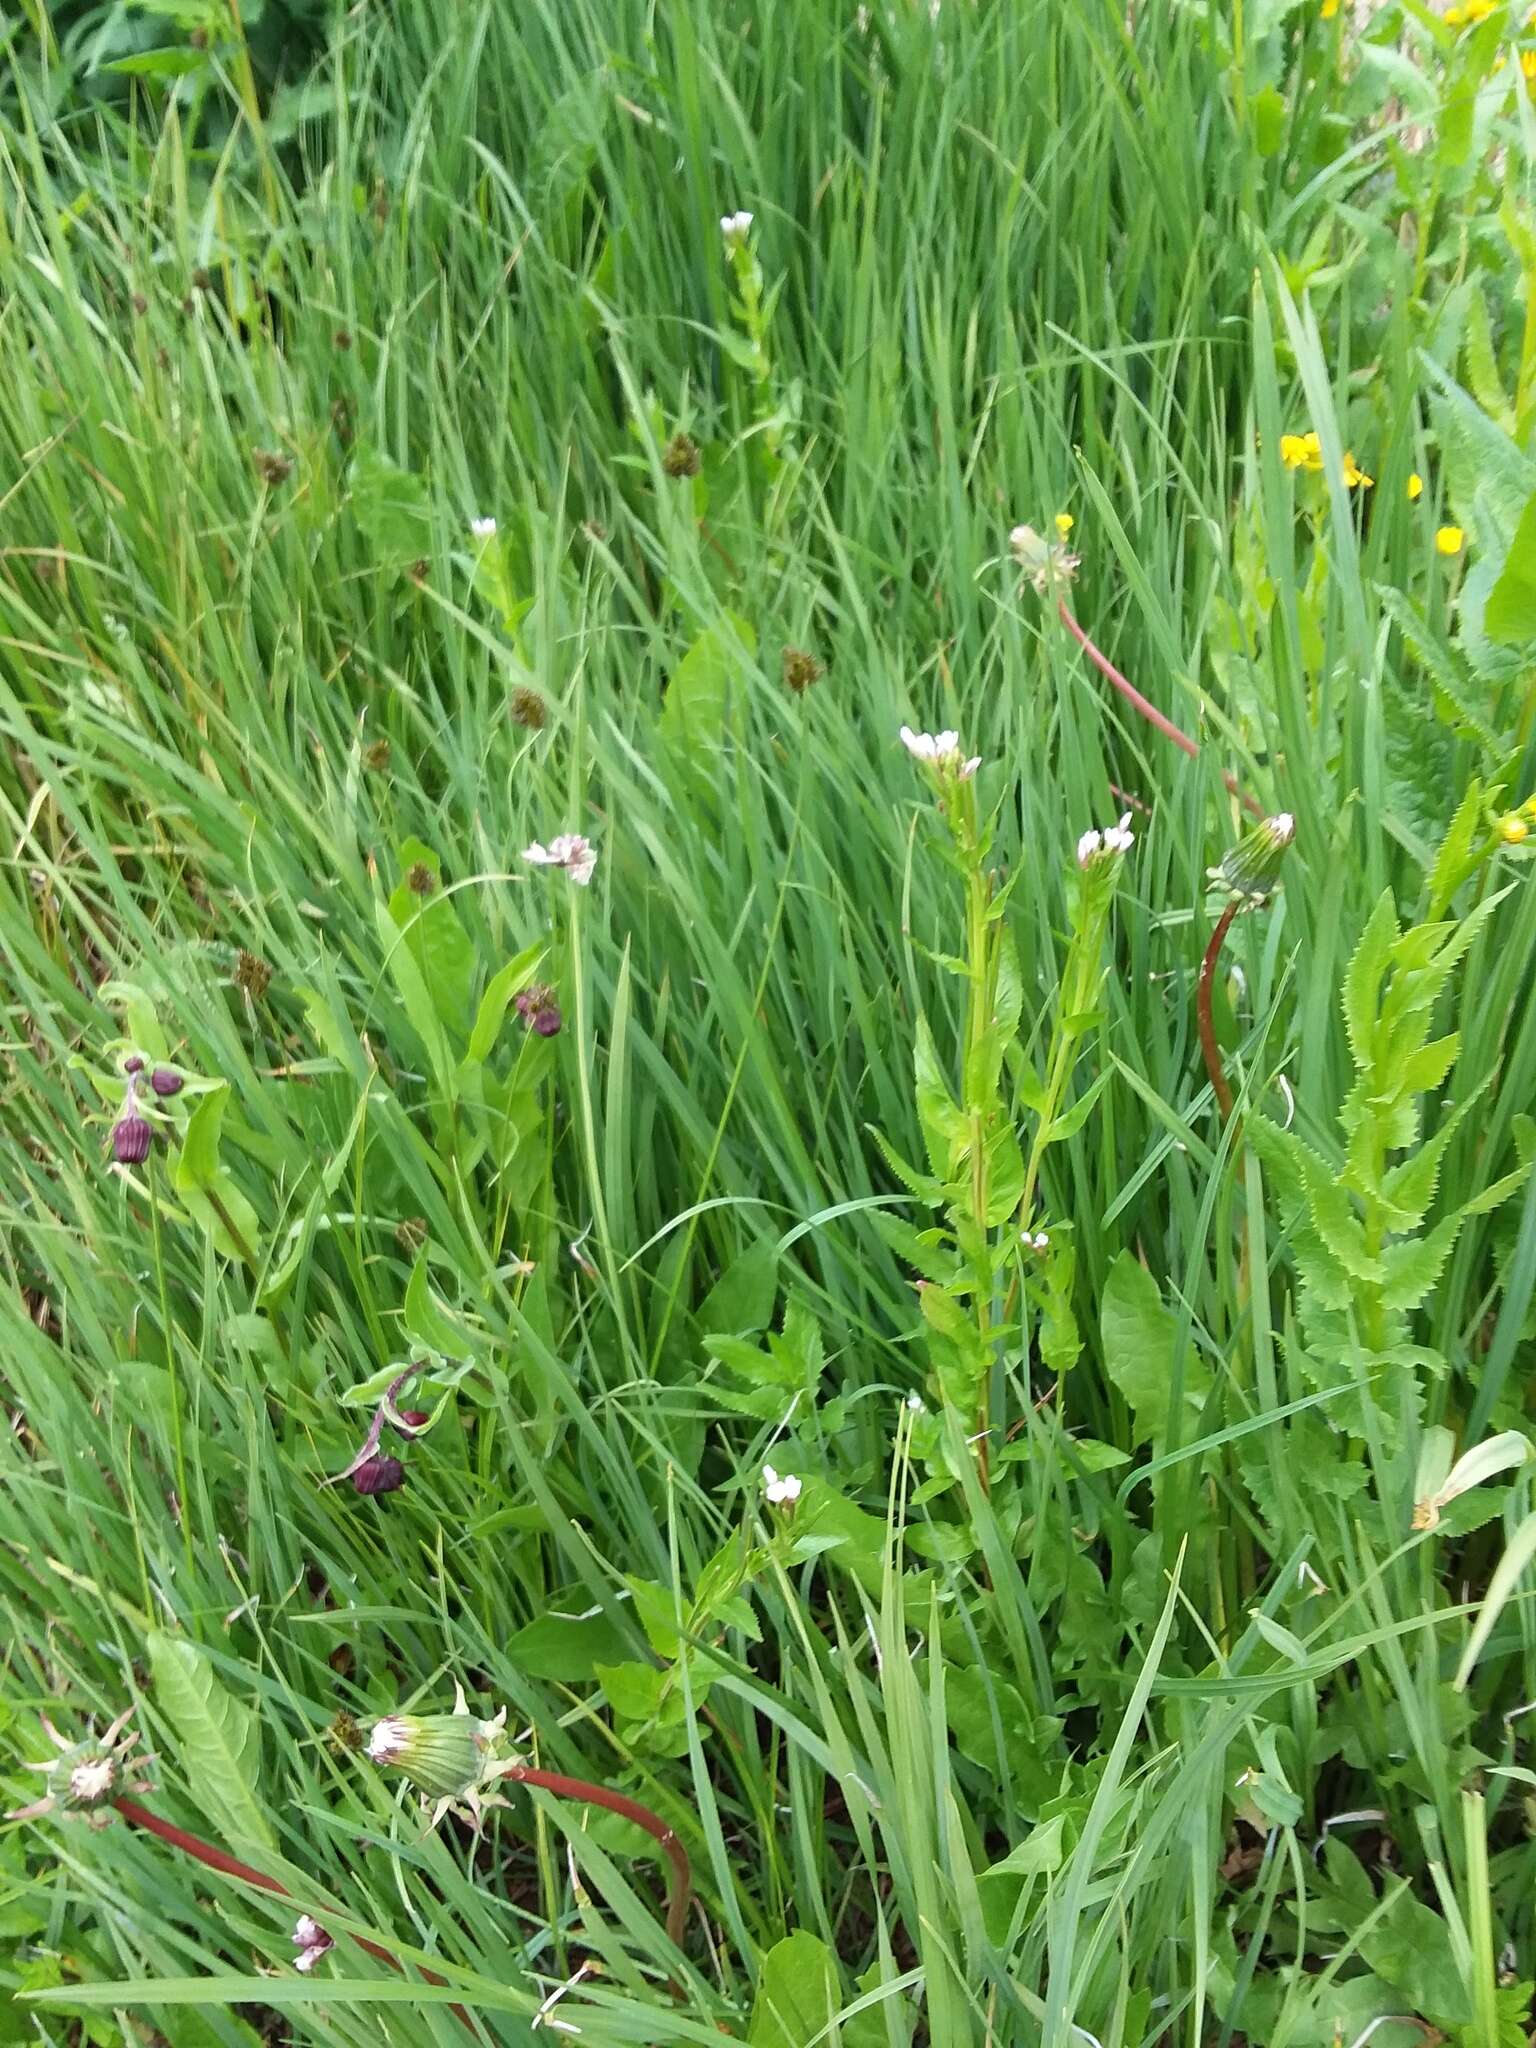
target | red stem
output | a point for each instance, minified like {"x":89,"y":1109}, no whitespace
{"x":642,"y":1816}
{"x":231,"y":1866}
{"x":1149,"y":711}
{"x":1208,"y":1045}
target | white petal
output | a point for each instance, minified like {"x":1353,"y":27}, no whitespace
{"x":541,"y":856}
{"x":968,"y":768}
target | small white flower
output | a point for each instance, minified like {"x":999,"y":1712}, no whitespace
{"x":483,"y":529}
{"x":780,"y":1493}
{"x":917,"y":1404}
{"x":1089,"y":848}
{"x":968,"y":768}
{"x":735,"y":227}
{"x":1114,"y":839}
{"x":941,"y":751}
{"x":1042,"y":1241}
{"x":570,"y":851}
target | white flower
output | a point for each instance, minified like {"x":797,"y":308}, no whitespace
{"x":780,"y":1493}
{"x":1089,"y":847}
{"x":968,"y":768}
{"x":735,"y":227}
{"x":570,"y":851}
{"x":312,"y":1942}
{"x":388,"y":1739}
{"x":917,"y":1404}
{"x":1041,"y":1241}
{"x":1114,"y":839}
{"x":940,"y":750}
{"x":483,"y":529}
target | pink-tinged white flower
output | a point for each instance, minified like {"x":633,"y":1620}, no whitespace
{"x":780,"y":1492}
{"x":483,"y":529}
{"x":1040,"y":1242}
{"x":311,"y":1941}
{"x":735,"y":227}
{"x":578,"y":856}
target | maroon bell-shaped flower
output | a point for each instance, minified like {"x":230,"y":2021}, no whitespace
{"x":546,"y":1020}
{"x":131,"y":1136}
{"x":166,"y":1081}
{"x":379,"y":1474}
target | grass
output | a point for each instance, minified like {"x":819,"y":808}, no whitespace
{"x":1147,"y":1728}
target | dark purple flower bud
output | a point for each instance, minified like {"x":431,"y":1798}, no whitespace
{"x":131,"y":1137}
{"x":546,"y":1021}
{"x":524,"y":1002}
{"x":415,"y":1418}
{"x":379,"y":1474}
{"x":166,"y":1081}
{"x":134,"y":1064}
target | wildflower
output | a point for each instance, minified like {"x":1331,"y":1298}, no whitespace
{"x":411,"y":1421}
{"x":1064,"y":523}
{"x":1513,"y":829}
{"x":570,"y":851}
{"x":252,"y":975}
{"x":1449,"y":540}
{"x":166,"y":1081}
{"x":344,"y":1737}
{"x":411,"y":1235}
{"x":1470,"y":14}
{"x":379,"y":1474}
{"x":800,"y":670}
{"x":1354,"y":474}
{"x":1328,"y":10}
{"x":1528,"y":68}
{"x":134,"y":1064}
{"x":735,"y":227}
{"x":1301,"y":451}
{"x":483,"y":529}
{"x":1307,"y":1578}
{"x":1114,"y":839}
{"x":941,"y":751}
{"x":681,"y":457}
{"x":1415,"y":487}
{"x":311,"y":1941}
{"x":85,"y":1777}
{"x":452,"y":1758}
{"x":1249,"y":870}
{"x":131,"y":1134}
{"x":420,"y":879}
{"x":917,"y":1404}
{"x":1040,"y":1242}
{"x":1439,"y":1482}
{"x":780,"y":1493}
{"x":1046,"y":563}
{"x":272,"y":468}
{"x":539,"y":1010}
{"x":528,"y":709}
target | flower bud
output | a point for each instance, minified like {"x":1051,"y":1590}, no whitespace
{"x":131,"y":1136}
{"x":311,"y":1941}
{"x":546,"y":1020}
{"x":379,"y":1474}
{"x":166,"y":1081}
{"x":134,"y":1064}
{"x":445,"y":1755}
{"x":415,"y":1418}
{"x":1250,"y":870}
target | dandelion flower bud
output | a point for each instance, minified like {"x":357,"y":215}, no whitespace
{"x":1250,"y":870}
{"x":447,"y":1756}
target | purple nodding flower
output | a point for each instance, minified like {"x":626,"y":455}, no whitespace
{"x":413,"y":1419}
{"x":166,"y":1081}
{"x":546,"y":1020}
{"x":131,"y":1136}
{"x":379,"y":1474}
{"x":134,"y":1064}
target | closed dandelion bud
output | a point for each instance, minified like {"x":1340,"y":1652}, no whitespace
{"x":379,"y":1474}
{"x":131,"y":1138}
{"x":443,"y":1755}
{"x":166,"y":1081}
{"x":681,"y":457}
{"x":1250,"y":870}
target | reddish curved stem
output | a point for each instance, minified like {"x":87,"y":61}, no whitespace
{"x":220,"y":1859}
{"x":642,"y":1816}
{"x":1208,"y":1045}
{"x":1148,"y":710}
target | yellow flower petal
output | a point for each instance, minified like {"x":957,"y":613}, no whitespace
{"x":1329,"y":9}
{"x":1449,"y":540}
{"x":1415,"y":487}
{"x":1354,"y":474}
{"x":1064,"y":523}
{"x":1513,"y":829}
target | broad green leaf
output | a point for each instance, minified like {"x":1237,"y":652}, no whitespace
{"x":709,"y":678}
{"x":1139,"y":1335}
{"x":1510,"y":614}
{"x":206,"y":1186}
{"x":741,"y":1300}
{"x":506,"y":983}
{"x":429,"y":925}
{"x":568,"y":1641}
{"x":1507,"y":1574}
{"x":799,"y":1995}
{"x":946,"y":1129}
{"x":218,"y":1743}
{"x":392,"y":509}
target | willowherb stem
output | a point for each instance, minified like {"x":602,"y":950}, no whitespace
{"x":1148,"y":710}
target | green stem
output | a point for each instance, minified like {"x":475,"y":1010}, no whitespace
{"x":178,"y":1444}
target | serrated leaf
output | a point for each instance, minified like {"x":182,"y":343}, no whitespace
{"x":218,"y":1742}
{"x":1362,"y":980}
{"x":1411,"y":1269}
{"x":922,"y":1185}
{"x":946,"y":1130}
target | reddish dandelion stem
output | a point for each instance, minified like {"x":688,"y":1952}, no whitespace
{"x":1148,"y":710}
{"x":642,"y":1816}
{"x":1208,"y":1045}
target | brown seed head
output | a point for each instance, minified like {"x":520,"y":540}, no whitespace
{"x":528,"y":709}
{"x":681,"y":457}
{"x":420,"y":879}
{"x":271,"y":467}
{"x":253,"y":976}
{"x":800,"y":669}
{"x":376,"y":756}
{"x":411,"y":1234}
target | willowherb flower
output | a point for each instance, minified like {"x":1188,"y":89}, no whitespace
{"x":1250,"y":870}
{"x":85,"y":1777}
{"x":735,"y":227}
{"x":483,"y":529}
{"x":1047,"y":564}
{"x":578,"y":856}
{"x":780,"y":1492}
{"x":1110,"y":844}
{"x":311,"y":1941}
{"x":453,"y":1758}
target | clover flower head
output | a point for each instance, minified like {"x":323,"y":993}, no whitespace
{"x":568,"y":850}
{"x":1047,"y":564}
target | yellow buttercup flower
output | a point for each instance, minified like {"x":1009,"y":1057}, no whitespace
{"x":1301,"y":451}
{"x":1354,"y":474}
{"x":1528,"y":67}
{"x":1469,"y":15}
{"x":1329,"y":9}
{"x":1064,"y":523}
{"x":1449,"y":540}
{"x":1415,"y":487}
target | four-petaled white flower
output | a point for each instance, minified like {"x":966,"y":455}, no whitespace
{"x":780,"y":1493}
{"x":1113,"y":839}
{"x":570,"y":851}
{"x":483,"y":529}
{"x":735,"y":227}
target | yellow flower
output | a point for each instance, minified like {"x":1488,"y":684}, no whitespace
{"x":1528,"y":808}
{"x":1301,"y":451}
{"x":1064,"y":523}
{"x":1354,"y":474}
{"x":1415,"y":487}
{"x":1448,"y":539}
{"x":1528,"y":67}
{"x":1329,"y":9}
{"x":1469,"y":15}
{"x":1513,"y":829}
